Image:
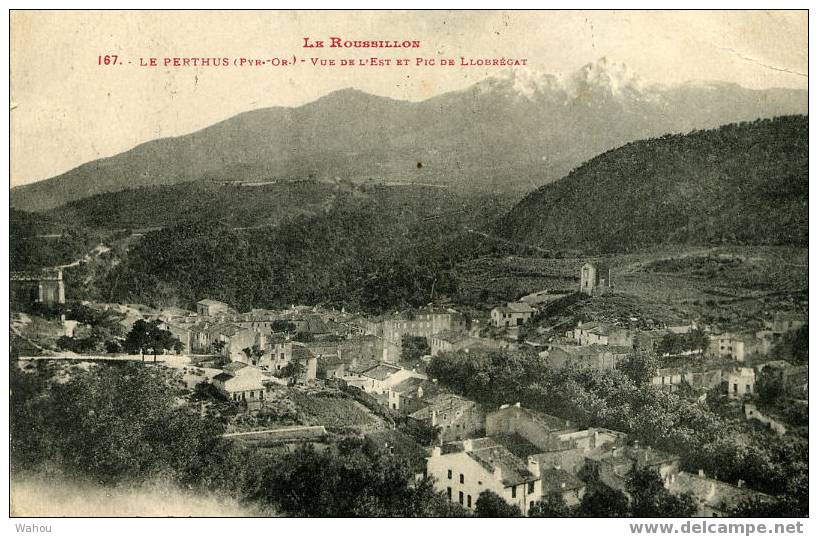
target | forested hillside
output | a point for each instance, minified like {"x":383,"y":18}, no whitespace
{"x":742,"y":183}
{"x":376,"y":253}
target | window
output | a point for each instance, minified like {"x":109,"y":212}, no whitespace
{"x":735,"y":388}
{"x":460,"y":497}
{"x":747,"y":388}
{"x":514,"y":491}
{"x":468,"y":500}
{"x":450,"y":474}
{"x":531,"y":488}
{"x":449,"y":493}
{"x":461,"y":478}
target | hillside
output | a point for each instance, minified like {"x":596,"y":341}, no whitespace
{"x":739,"y":184}
{"x":35,"y":241}
{"x":263,"y":205}
{"x":513,"y":131}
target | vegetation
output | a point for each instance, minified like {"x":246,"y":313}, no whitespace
{"x":611,"y":399}
{"x":413,"y":348}
{"x":490,"y":505}
{"x":122,"y":424}
{"x":36,"y":241}
{"x":742,"y":183}
{"x":149,"y":336}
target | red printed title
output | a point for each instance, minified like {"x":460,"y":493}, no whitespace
{"x":310,"y":45}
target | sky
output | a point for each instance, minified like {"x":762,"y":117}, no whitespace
{"x":68,"y":110}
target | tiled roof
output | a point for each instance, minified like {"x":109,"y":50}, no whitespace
{"x":209,"y":302}
{"x":716,"y":494}
{"x":558,"y":480}
{"x":513,"y":471}
{"x":442,"y":403}
{"x":381,"y":371}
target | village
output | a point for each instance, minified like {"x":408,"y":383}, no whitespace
{"x":371,"y":374}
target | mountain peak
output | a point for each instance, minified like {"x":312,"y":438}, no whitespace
{"x":602,"y":78}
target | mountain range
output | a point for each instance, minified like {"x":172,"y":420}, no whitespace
{"x":514,"y":131}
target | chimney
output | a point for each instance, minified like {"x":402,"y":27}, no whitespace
{"x":534,"y":466}
{"x":434,"y":418}
{"x":740,"y":483}
{"x":517,"y":404}
{"x":596,"y":439}
{"x":468,"y":445}
{"x":562,"y":485}
{"x":701,"y":473}
{"x":436,"y":451}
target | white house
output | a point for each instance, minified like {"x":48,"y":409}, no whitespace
{"x":483,"y":464}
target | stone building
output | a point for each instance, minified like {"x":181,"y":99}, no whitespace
{"x":43,"y":286}
{"x":595,"y":279}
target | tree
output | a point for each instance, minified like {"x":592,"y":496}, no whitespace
{"x":769,"y":385}
{"x":145,"y":335}
{"x":551,"y":506}
{"x":294,"y":370}
{"x":650,"y":498}
{"x":253,"y":353}
{"x":640,"y":367}
{"x":413,"y":348}
{"x":490,"y":505}
{"x":604,"y":502}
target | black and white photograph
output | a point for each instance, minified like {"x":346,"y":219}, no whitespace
{"x":410,"y":264}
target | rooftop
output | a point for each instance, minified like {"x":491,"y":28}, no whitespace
{"x":558,"y":480}
{"x":716,"y":494}
{"x":442,"y":403}
{"x":495,"y":457}
{"x":209,"y":302}
{"x":382,"y":371}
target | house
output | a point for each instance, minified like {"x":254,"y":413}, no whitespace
{"x":512,"y":314}
{"x":567,"y":449}
{"x":242,"y":383}
{"x":411,"y":395}
{"x":535,"y":427}
{"x":383,"y":376}
{"x":211,"y":308}
{"x":774,"y":423}
{"x":451,"y":341}
{"x":713,"y":498}
{"x":594,"y":356}
{"x":331,"y":367}
{"x":736,"y":347}
{"x":303,"y":356}
{"x":419,"y":325}
{"x":223,"y":338}
{"x":473,"y":466}
{"x":785,"y":322}
{"x":740,"y":382}
{"x":563,"y":483}
{"x":181,"y":331}
{"x":594,"y":279}
{"x":279,"y":352}
{"x":44,"y":286}
{"x":456,"y":416}
{"x":612,"y":464}
{"x":324,"y":348}
{"x":595,"y":333}
{"x":361,"y":348}
{"x":669,"y":378}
